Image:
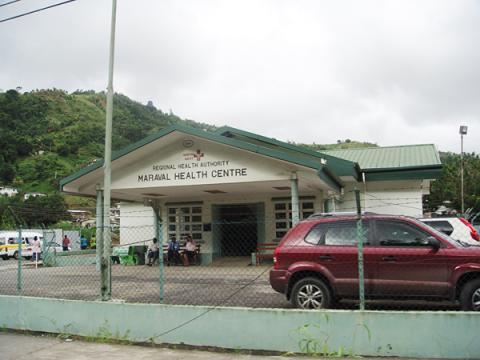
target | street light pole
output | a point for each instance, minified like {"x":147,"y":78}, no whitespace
{"x":463,"y":131}
{"x":106,"y":287}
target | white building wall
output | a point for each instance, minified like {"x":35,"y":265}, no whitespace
{"x":385,"y":197}
{"x":137,"y":224}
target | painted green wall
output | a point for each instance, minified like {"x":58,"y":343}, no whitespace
{"x":386,"y":333}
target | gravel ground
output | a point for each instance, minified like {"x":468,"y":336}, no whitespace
{"x":246,"y":286}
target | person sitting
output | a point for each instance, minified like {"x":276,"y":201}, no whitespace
{"x":173,"y":254}
{"x":153,"y":252}
{"x":190,"y":253}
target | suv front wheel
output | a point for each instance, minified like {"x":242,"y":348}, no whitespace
{"x":311,"y":293}
{"x":470,"y":296}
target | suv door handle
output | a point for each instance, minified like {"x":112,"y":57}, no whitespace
{"x":325,"y":257}
{"x":389,"y":258}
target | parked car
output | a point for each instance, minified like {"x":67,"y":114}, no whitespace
{"x":9,"y":244}
{"x":316,"y":263}
{"x":455,"y":227}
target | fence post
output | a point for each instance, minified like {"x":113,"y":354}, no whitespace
{"x":19,"y":263}
{"x":360,"y":238}
{"x":159,"y":236}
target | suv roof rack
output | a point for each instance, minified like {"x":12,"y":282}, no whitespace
{"x":333,"y":214}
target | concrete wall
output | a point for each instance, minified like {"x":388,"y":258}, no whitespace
{"x":137,"y":223}
{"x":375,"y":333}
{"x":386,"y":197}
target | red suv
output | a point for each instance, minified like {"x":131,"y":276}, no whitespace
{"x":316,"y":263}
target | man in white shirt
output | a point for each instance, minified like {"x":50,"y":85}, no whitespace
{"x":36,"y":249}
{"x":153,"y":252}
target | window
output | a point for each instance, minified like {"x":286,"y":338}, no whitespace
{"x":395,"y":233}
{"x":315,"y":235}
{"x":443,"y":226}
{"x":283,"y":215}
{"x":337,"y":233}
{"x":345,"y":233}
{"x":185,"y":220}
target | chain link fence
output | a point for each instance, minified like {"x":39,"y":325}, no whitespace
{"x":230,"y":264}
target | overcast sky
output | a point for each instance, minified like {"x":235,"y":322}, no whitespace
{"x":388,"y":72}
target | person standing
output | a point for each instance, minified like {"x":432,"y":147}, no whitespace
{"x":83,"y":242}
{"x":65,"y":243}
{"x":36,"y":249}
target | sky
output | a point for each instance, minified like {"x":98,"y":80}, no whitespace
{"x":387,"y":72}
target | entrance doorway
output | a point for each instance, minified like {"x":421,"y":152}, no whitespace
{"x":237,"y":229}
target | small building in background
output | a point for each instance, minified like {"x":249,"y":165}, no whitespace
{"x":32,"y":195}
{"x":8,"y":191}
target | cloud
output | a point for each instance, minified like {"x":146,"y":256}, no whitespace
{"x":389,"y":72}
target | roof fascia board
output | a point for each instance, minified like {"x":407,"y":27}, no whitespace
{"x":404,"y":168}
{"x":331,"y":179}
{"x":404,"y":175}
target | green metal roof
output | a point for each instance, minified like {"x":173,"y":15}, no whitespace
{"x":382,"y":163}
{"x":340,"y":167}
{"x":314,"y":163}
{"x":391,"y":157}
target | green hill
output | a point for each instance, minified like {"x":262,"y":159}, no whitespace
{"x":48,"y":134}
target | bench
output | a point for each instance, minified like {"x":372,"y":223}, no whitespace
{"x":182,"y":254}
{"x":264,"y":251}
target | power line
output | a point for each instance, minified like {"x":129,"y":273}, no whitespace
{"x":37,"y":10}
{"x":8,"y":3}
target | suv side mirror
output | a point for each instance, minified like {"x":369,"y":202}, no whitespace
{"x":432,"y":242}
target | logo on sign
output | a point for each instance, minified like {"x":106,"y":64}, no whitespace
{"x":198,"y":155}
{"x":187,"y":143}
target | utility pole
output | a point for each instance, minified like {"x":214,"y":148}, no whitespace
{"x":463,"y":131}
{"x":106,"y":265}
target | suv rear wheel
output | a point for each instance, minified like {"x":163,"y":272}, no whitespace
{"x":470,"y":296}
{"x":311,"y":293}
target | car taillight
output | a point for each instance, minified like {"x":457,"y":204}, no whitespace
{"x":473,"y":231}
{"x":275,"y":257}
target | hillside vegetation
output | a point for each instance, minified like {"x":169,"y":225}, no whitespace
{"x":46,"y":135}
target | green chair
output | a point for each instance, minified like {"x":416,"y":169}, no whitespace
{"x":127,"y":257}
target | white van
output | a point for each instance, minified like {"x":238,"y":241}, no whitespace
{"x":9,"y":244}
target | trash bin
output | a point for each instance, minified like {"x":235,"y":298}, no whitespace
{"x":140,"y":251}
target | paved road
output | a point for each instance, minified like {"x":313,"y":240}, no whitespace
{"x":29,"y":347}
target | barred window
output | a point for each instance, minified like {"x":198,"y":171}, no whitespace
{"x":185,"y":220}
{"x":283,"y":215}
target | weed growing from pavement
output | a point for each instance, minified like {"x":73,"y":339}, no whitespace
{"x":104,"y":335}
{"x":315,"y":340}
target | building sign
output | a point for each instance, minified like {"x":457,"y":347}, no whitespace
{"x":193,"y":168}
{"x":186,"y":163}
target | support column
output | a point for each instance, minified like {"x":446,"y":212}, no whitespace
{"x":295,"y":199}
{"x":99,"y":232}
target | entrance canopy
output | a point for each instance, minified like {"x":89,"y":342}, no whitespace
{"x":183,"y":162}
